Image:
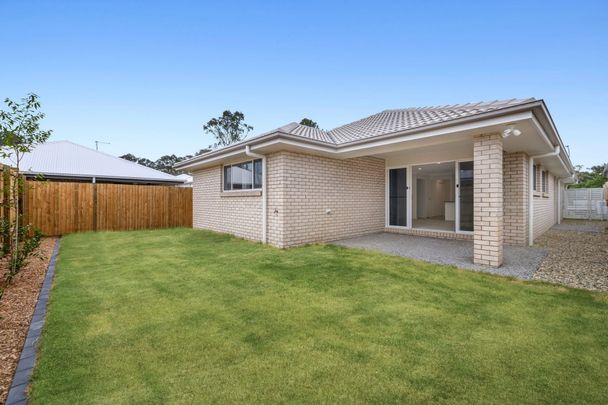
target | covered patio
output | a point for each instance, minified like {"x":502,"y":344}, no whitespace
{"x":520,"y":262}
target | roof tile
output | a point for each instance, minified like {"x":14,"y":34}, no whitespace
{"x":390,"y":121}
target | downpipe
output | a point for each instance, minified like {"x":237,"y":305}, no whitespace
{"x":254,"y":155}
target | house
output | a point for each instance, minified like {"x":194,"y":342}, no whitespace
{"x":489,"y":172}
{"x":68,"y":161}
{"x":186,"y":178}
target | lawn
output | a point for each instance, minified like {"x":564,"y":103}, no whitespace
{"x":192,"y":316}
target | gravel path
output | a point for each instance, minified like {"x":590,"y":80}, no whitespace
{"x":520,"y":262}
{"x":577,"y":255}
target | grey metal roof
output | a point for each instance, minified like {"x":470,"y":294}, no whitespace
{"x":390,"y":121}
{"x":70,"y":160}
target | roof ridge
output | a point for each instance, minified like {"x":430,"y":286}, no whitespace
{"x":323,"y":131}
{"x":331,"y":136}
{"x":460,"y":105}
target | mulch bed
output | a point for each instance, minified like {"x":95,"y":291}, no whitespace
{"x":16,"y":309}
{"x":577,"y":255}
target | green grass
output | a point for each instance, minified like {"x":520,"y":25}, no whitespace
{"x":192,"y":316}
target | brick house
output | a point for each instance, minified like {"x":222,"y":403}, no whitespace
{"x":490,"y":172}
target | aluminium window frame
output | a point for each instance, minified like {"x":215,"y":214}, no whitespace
{"x":242,"y":190}
{"x":544,"y":182}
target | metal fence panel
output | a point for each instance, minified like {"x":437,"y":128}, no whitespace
{"x":584,"y":203}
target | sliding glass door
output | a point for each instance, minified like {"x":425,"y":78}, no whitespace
{"x":465,"y":195}
{"x":398,"y":197}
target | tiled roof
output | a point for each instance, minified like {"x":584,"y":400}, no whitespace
{"x":390,"y":121}
{"x":313,"y":133}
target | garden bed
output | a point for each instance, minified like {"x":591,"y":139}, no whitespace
{"x":16,"y":309}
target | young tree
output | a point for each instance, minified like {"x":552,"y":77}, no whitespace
{"x":228,"y":129}
{"x":163,"y":163}
{"x":309,"y":123}
{"x":19,"y":133}
{"x":138,"y":160}
{"x":591,"y":178}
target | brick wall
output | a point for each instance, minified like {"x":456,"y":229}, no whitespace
{"x":430,"y":233}
{"x":301,"y":188}
{"x":488,"y":200}
{"x":224,"y":212}
{"x":516,"y":191}
{"x":306,"y":187}
{"x":544,"y":207}
{"x":276,"y":197}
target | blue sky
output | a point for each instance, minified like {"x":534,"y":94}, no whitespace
{"x":145,"y":75}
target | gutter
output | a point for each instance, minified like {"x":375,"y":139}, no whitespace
{"x":569,"y":168}
{"x":555,"y":152}
{"x":249,"y":153}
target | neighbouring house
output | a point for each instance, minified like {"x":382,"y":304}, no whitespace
{"x":186,"y":178}
{"x":68,"y":161}
{"x":490,"y":172}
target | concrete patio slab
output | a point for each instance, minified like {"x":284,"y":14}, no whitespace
{"x":520,"y":262}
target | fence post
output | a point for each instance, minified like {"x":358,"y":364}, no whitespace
{"x":94,"y":207}
{"x":6,"y":208}
{"x":23,"y":204}
{"x":589,"y":206}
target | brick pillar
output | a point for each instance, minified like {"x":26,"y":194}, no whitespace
{"x":488,"y":200}
{"x":516,"y":198}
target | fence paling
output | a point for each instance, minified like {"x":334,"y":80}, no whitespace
{"x":9,"y":184}
{"x":58,"y":208}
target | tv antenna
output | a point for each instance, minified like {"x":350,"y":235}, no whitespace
{"x":98,"y":142}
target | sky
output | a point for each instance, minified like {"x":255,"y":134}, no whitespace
{"x":145,"y":76}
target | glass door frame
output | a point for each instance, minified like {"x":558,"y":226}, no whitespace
{"x":410,"y":194}
{"x":387,"y":211}
{"x":457,"y":194}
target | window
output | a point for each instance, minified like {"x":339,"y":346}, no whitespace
{"x":545,"y":181}
{"x":535,"y":178}
{"x":243,"y":176}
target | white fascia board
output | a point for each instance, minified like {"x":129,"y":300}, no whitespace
{"x":541,"y":130}
{"x":297,"y":143}
{"x":257,"y":143}
{"x":568,"y":163}
{"x":212,"y":159}
{"x":553,"y":128}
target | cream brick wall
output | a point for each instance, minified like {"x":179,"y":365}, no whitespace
{"x":307,"y":186}
{"x":300,"y":190}
{"x":488,"y":200}
{"x":240,"y":216}
{"x":516,"y":191}
{"x":544,"y":207}
{"x":275,"y":168}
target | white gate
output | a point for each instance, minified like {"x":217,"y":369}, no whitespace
{"x":584,"y":203}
